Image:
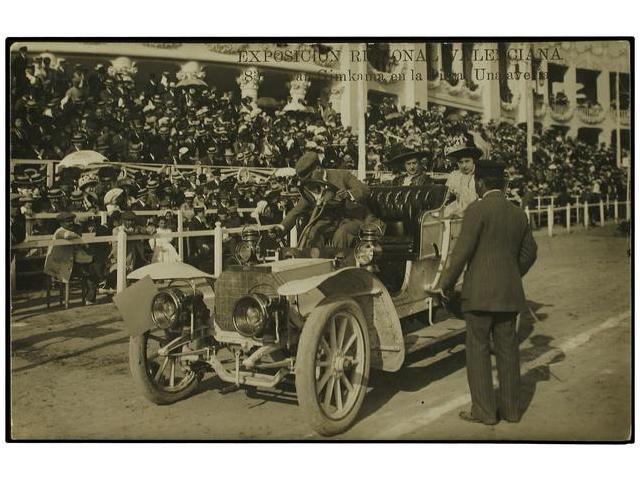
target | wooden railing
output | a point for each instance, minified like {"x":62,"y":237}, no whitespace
{"x":122,"y":238}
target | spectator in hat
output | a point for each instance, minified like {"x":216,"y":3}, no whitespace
{"x":17,"y":221}
{"x":461,"y":183}
{"x":164,"y":251}
{"x":406,"y":163}
{"x":87,"y":185}
{"x":137,"y":255}
{"x":200,"y":248}
{"x":497,"y":248}
{"x":344,"y":211}
{"x":64,"y":260}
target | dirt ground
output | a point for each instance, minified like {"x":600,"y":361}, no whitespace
{"x":70,"y":378}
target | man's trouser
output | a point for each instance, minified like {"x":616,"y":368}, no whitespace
{"x":480,"y":325}
{"x":342,"y":237}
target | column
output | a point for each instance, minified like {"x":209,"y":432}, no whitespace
{"x":298,"y":88}
{"x":249,"y":81}
{"x":570,"y":91}
{"x":604,"y":89}
{"x":414,"y":87}
{"x":456,"y":65}
{"x":335,"y":95}
{"x":348,"y":107}
{"x":490,"y":89}
{"x":124,"y":68}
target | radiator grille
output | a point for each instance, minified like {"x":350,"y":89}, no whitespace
{"x":235,"y":284}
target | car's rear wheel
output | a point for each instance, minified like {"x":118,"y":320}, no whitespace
{"x":332,"y":365}
{"x":162,"y":379}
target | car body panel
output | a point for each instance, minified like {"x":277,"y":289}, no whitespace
{"x":387,"y":343}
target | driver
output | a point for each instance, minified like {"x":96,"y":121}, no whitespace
{"x":344,"y":211}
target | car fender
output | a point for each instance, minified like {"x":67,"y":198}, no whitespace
{"x":387,"y":342}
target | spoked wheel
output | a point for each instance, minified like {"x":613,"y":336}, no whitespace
{"x":332,"y":366}
{"x":162,"y":379}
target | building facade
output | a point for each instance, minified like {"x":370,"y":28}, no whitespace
{"x":579,"y":88}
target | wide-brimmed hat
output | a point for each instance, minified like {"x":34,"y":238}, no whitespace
{"x":55,"y":193}
{"x":463,"y":147}
{"x":398,"y":154}
{"x":86,"y":180}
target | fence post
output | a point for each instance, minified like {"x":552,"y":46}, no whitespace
{"x":217,"y":250}
{"x":293,"y":237}
{"x":550,"y":220}
{"x":601,"y":213}
{"x":181,"y":238}
{"x":49,"y":174}
{"x":28,"y":227}
{"x":121,"y":259}
{"x":615,"y":209}
{"x":103,"y":218}
{"x":568,"y":216}
{"x":577,"y":212}
{"x":608,"y":203}
{"x":538,"y":209}
{"x":627,"y":210}
{"x":586,"y":214}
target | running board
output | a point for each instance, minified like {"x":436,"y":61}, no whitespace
{"x":427,"y":336}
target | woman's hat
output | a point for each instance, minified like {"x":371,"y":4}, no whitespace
{"x":464,"y":147}
{"x":399,"y":153}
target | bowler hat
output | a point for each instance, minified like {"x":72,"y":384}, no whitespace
{"x":489,"y":169}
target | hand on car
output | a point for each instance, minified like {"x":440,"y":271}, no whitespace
{"x":343,"y":195}
{"x":440,"y":292}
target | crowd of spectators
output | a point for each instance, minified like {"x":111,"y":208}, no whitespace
{"x":59,"y":109}
{"x":562,"y":166}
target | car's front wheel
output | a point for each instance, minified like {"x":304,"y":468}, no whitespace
{"x":332,"y":365}
{"x":162,"y":379}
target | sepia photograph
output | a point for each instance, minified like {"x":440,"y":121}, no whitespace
{"x":317,"y":239}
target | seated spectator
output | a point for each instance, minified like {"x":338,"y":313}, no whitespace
{"x":63,"y":261}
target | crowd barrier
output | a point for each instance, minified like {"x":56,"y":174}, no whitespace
{"x":121,"y":239}
{"x":580,"y":214}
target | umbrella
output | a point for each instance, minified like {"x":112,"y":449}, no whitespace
{"x":82,"y":159}
{"x":192,"y":83}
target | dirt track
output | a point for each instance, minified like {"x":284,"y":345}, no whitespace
{"x":70,"y":374}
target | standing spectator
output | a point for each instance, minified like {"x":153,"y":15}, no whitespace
{"x":497,"y":247}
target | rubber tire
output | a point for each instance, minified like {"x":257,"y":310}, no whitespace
{"x":305,"y":366}
{"x":137,"y":365}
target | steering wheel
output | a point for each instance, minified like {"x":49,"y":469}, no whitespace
{"x":308,"y":186}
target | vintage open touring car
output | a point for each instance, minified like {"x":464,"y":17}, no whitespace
{"x":325,"y":317}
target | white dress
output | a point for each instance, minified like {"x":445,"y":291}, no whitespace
{"x":163,"y":251}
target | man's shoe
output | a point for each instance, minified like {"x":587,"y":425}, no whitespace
{"x":468,"y":417}
{"x":510,"y":420}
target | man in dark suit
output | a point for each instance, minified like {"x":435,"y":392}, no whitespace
{"x":497,"y":247}
{"x":344,"y":211}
